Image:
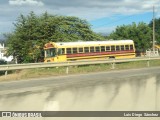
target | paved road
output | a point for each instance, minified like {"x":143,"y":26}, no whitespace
{"x":64,"y":81}
{"x":125,"y":90}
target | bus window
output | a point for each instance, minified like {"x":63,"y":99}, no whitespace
{"x":131,"y":47}
{"x":63,"y":50}
{"x":86,"y":49}
{"x":112,"y":48}
{"x":102,"y":48}
{"x":74,"y":50}
{"x":126,"y":47}
{"x":117,"y":48}
{"x":91,"y":49}
{"x":80,"y":50}
{"x":122,"y":47}
{"x":69,"y":51}
{"x":59,"y":51}
{"x":97,"y":49}
{"x":107,"y":48}
{"x":50,"y":52}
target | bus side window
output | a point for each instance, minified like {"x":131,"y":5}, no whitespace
{"x":75,"y":50}
{"x":112,"y":48}
{"x":63,"y":51}
{"x":86,"y":49}
{"x":69,"y":51}
{"x":97,"y":49}
{"x":102,"y":48}
{"x":122,"y":47}
{"x":107,"y":48}
{"x":81,"y":50}
{"x":117,"y":48}
{"x":126,"y":47}
{"x":59,"y":51}
{"x":131,"y":47}
{"x":91,"y":49}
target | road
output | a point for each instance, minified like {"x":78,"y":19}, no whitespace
{"x":124,"y":90}
{"x":64,"y":81}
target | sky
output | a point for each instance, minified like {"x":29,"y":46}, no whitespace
{"x":103,"y":15}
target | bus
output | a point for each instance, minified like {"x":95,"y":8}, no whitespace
{"x":83,"y":50}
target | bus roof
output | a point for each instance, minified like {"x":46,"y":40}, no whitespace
{"x":90,"y":43}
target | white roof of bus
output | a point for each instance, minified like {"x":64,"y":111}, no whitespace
{"x":80,"y":43}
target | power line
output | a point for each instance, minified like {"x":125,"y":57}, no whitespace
{"x":114,"y":21}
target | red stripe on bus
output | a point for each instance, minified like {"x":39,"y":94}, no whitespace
{"x":98,"y":53}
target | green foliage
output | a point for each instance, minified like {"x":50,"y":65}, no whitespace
{"x":157,"y":29}
{"x":32,"y":32}
{"x":2,"y":62}
{"x":141,"y":34}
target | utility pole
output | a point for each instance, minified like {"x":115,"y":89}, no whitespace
{"x":153,"y":31}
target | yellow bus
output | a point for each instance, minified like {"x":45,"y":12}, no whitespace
{"x":69,"y":51}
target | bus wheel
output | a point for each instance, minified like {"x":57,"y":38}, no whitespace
{"x":111,"y":57}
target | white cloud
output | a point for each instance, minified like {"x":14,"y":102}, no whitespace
{"x":95,"y":9}
{"x":26,"y":2}
{"x":91,"y":10}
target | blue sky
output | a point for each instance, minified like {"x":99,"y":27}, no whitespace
{"x":103,"y":15}
{"x":108,"y":24}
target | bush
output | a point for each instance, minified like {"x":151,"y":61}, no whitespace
{"x":2,"y":62}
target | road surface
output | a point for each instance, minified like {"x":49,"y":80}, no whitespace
{"x":125,"y":90}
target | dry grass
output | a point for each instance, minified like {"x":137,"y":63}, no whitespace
{"x":46,"y":72}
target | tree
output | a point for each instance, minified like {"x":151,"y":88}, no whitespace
{"x":157,"y":29}
{"x":140,"y":33}
{"x":32,"y":32}
{"x":2,"y":62}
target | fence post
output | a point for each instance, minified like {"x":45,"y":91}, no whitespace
{"x":67,"y":69}
{"x":148,"y":63}
{"x":6,"y":72}
{"x":113,"y":64}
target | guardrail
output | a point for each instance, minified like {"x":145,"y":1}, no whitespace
{"x":72,"y":63}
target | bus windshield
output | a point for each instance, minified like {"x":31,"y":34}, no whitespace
{"x":50,"y":52}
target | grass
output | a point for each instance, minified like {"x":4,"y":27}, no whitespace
{"x":46,"y":72}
